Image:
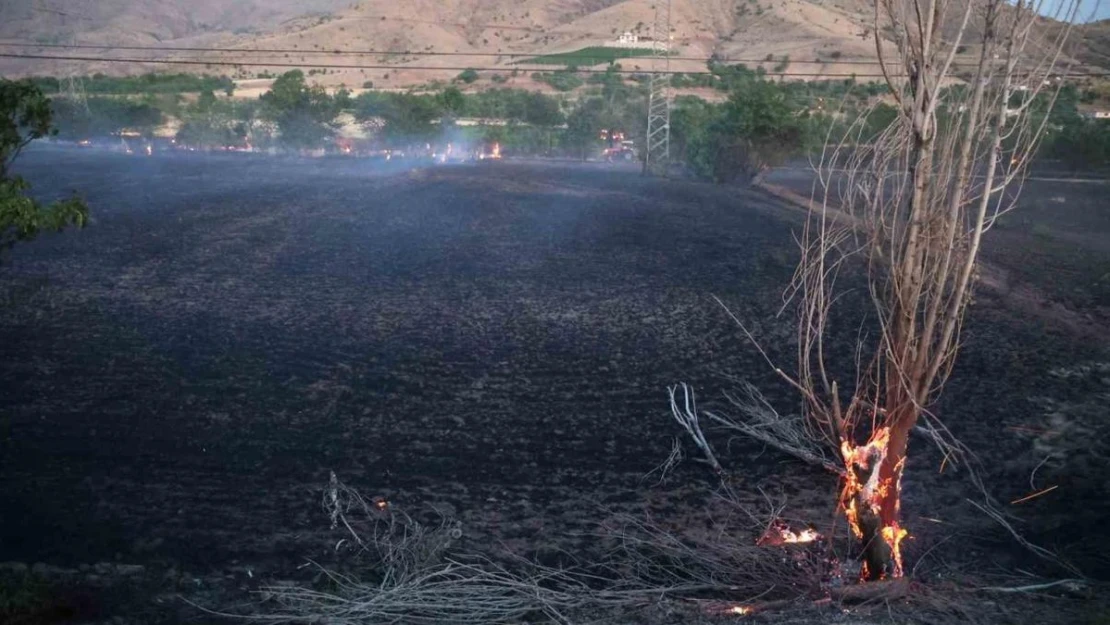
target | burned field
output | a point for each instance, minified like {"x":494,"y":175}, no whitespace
{"x":494,"y":342}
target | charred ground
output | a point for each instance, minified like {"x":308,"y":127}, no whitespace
{"x":495,"y":341}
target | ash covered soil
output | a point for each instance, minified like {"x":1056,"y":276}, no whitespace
{"x":492,"y":340}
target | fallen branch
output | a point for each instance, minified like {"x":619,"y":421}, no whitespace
{"x":687,"y":416}
{"x":767,"y":426}
{"x":1039,"y":551}
{"x":1072,"y":585}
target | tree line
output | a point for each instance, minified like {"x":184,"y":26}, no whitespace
{"x":761,"y":122}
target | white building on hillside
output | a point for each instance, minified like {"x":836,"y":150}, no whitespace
{"x":629,"y":39}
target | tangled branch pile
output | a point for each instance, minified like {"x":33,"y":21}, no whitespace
{"x":409,"y":573}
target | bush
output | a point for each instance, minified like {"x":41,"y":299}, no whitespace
{"x":468,"y":76}
{"x":560,"y":80}
{"x":145,"y":83}
{"x":1080,"y":143}
{"x":757,"y":129}
{"x":369,"y":84}
{"x":25,"y":116}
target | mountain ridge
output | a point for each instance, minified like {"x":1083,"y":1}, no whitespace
{"x":818,"y":37}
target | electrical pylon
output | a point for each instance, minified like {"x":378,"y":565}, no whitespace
{"x":657,"y":154}
{"x":74,"y":87}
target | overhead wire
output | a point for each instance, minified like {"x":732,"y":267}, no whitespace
{"x":376,"y":66}
{"x":563,"y":57}
{"x":460,"y":68}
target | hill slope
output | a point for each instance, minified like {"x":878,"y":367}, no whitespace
{"x":820,"y":37}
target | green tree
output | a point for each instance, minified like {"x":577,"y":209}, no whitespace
{"x":452,"y":101}
{"x":343,"y":99}
{"x":206,"y":101}
{"x":561,"y":80}
{"x":468,"y":76}
{"x":401,"y":119}
{"x":542,"y":110}
{"x":1081,"y":144}
{"x":690,"y":120}
{"x":758,"y":128}
{"x":25,"y":115}
{"x":304,"y":114}
{"x":584,"y":126}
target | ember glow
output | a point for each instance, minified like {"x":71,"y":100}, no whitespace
{"x":780,"y":534}
{"x":867,"y":460}
{"x":804,"y":536}
{"x":741,"y":610}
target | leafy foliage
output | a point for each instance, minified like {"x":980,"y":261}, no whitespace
{"x":401,"y":118}
{"x":586,"y":57}
{"x":559,"y":80}
{"x":1081,"y":143}
{"x":146,"y":83}
{"x":758,"y":128}
{"x":304,"y":114}
{"x":104,"y":116}
{"x":584,"y":125}
{"x":25,"y":116}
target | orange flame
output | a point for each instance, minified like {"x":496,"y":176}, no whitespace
{"x":893,"y":535}
{"x":868,"y":458}
{"x":741,"y":610}
{"x":780,"y":534}
{"x":804,"y":536}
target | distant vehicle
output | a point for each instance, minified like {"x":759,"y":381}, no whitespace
{"x":624,"y":151}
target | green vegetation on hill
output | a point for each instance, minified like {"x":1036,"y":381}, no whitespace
{"x":588,"y":57}
{"x":560,"y":80}
{"x":143,"y":84}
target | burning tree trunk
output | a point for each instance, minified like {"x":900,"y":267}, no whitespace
{"x":912,"y":204}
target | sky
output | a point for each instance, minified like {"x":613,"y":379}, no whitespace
{"x":1100,"y":9}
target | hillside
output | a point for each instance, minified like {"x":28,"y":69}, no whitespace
{"x":821,"y":38}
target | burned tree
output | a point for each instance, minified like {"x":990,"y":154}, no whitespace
{"x":911,"y":206}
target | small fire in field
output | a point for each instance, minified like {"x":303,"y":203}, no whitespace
{"x":781,"y":534}
{"x":740,"y":610}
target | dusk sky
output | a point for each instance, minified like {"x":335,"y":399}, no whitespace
{"x":1089,"y":10}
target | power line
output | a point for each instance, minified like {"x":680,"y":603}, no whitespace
{"x":255,"y":63}
{"x":332,"y":52}
{"x":93,"y":59}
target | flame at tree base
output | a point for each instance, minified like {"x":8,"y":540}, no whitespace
{"x":871,"y":502}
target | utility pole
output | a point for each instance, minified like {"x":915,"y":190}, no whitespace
{"x":657,"y":154}
{"x":74,"y":87}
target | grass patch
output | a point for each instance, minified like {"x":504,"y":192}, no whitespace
{"x":586,"y":57}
